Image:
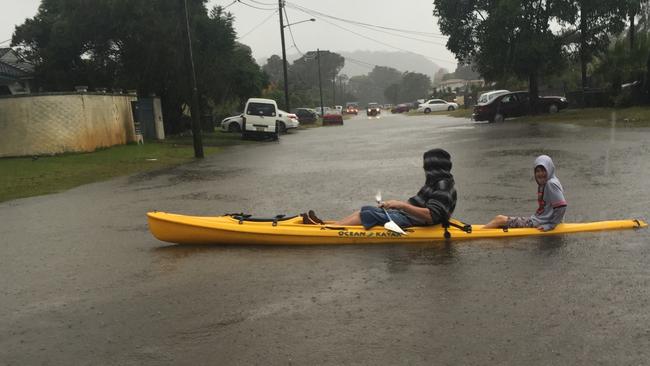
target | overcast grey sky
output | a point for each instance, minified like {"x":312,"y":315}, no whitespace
{"x":257,"y":25}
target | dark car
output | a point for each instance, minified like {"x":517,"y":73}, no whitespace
{"x":306,"y":115}
{"x":514,"y":105}
{"x":401,"y":108}
{"x":373,"y":109}
{"x":351,"y":108}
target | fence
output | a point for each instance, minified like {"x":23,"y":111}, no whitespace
{"x":57,"y":123}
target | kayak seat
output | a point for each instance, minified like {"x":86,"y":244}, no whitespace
{"x":246,"y":217}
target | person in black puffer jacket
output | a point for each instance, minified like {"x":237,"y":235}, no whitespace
{"x":438,"y":193}
{"x":433,"y":204}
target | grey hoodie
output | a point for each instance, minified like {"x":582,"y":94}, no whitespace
{"x":550,"y":197}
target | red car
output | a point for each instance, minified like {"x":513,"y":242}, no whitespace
{"x":401,"y":108}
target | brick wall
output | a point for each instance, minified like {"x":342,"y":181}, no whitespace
{"x":53,"y":124}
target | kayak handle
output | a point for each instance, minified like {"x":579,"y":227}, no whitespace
{"x":333,"y":228}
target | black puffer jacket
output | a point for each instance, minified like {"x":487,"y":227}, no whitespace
{"x":438,"y":193}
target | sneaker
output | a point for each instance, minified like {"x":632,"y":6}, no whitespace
{"x":312,"y":216}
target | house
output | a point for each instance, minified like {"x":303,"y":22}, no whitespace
{"x":459,"y":84}
{"x":16,"y":75}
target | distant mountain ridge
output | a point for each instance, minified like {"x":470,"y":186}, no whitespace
{"x":402,"y":61}
{"x":362,"y":62}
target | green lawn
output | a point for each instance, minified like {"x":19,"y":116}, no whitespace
{"x":25,"y":177}
{"x":460,"y":113}
{"x":634,"y":116}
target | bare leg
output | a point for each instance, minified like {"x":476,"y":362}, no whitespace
{"x":498,"y":221}
{"x":353,"y":219}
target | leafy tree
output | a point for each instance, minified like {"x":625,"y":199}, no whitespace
{"x":505,"y":37}
{"x":138,"y":44}
{"x":273,"y":68}
{"x":371,"y":87}
{"x":414,"y":86}
{"x":392,"y":93}
{"x":363,"y":88}
{"x":303,"y":77}
{"x":595,"y":22}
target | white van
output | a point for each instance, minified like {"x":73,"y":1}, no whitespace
{"x":260,"y":118}
{"x":487,"y":97}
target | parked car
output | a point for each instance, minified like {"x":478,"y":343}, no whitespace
{"x":320,"y":113}
{"x":435,"y":105}
{"x":515,"y":104}
{"x":286,"y":121}
{"x":488,"y":96}
{"x":260,"y":119}
{"x":401,"y":108}
{"x":332,"y":118}
{"x":289,"y":121}
{"x":351,"y":108}
{"x":306,"y":115}
{"x":373,"y":110}
{"x":232,"y":124}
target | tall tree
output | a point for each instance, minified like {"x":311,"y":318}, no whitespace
{"x":596,"y":22}
{"x":273,"y":68}
{"x":137,"y":44}
{"x":414,"y":86}
{"x":505,"y":37}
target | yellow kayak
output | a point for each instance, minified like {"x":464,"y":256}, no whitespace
{"x":229,"y":229}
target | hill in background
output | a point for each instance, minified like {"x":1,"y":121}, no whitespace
{"x":402,"y":61}
{"x":362,"y":62}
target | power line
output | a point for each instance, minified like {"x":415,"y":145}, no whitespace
{"x":360,"y":63}
{"x":3,"y":42}
{"x":419,"y":33}
{"x":380,"y":42}
{"x":261,"y":3}
{"x":259,"y":25}
{"x":229,"y":5}
{"x":291,"y":33}
{"x":253,"y":6}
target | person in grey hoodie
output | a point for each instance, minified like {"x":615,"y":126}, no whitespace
{"x":550,"y":198}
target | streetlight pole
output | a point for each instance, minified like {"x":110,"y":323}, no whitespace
{"x":284,"y":53}
{"x":284,"y":58}
{"x":320,"y":84}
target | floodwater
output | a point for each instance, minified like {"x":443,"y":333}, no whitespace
{"x":83,"y":282}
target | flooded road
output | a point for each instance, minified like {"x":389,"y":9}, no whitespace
{"x":83,"y":282}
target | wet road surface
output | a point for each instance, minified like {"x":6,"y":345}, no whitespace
{"x":83,"y":282}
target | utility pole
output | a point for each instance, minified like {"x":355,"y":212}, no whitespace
{"x":334,"y":90}
{"x":194,"y":108}
{"x":320,"y":84}
{"x":284,"y":59}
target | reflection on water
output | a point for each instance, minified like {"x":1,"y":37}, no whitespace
{"x":400,"y":258}
{"x":551,"y":245}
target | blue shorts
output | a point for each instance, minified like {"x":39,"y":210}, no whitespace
{"x":375,"y":216}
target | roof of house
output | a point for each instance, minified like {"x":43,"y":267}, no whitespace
{"x":12,"y":66}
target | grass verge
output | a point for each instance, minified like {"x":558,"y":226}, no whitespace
{"x":459,"y":113}
{"x":27,"y":176}
{"x":632,"y":117}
